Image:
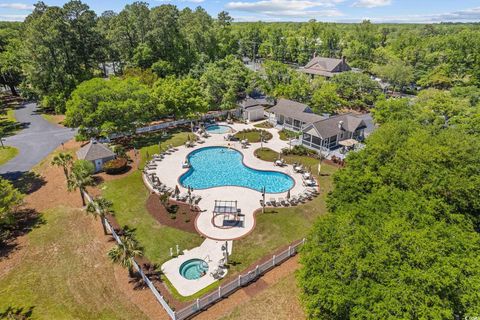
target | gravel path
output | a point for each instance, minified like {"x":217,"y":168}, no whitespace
{"x":35,"y":142}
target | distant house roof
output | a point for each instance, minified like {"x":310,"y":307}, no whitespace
{"x":93,"y":151}
{"x":295,"y":110}
{"x":326,"y":67}
{"x":257,"y":100}
{"x":331,"y":127}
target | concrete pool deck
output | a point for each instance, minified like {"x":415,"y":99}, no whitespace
{"x":209,"y":251}
{"x":170,"y":169}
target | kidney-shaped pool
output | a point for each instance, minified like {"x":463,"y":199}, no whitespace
{"x":219,"y":166}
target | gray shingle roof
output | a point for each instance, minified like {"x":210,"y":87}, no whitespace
{"x":252,"y":102}
{"x":296,"y":110}
{"x":94,"y":150}
{"x":325,"y":66}
{"x":330,"y":127}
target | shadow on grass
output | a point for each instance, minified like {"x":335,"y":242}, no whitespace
{"x":148,"y":139}
{"x":25,"y":221}
{"x":17,"y":313}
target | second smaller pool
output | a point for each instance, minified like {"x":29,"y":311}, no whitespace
{"x":218,"y":129}
{"x":193,"y":269}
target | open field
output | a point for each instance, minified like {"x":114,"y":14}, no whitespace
{"x":280,"y":302}
{"x":7,"y":153}
{"x":64,"y":273}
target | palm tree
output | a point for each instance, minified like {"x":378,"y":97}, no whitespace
{"x":80,"y":178}
{"x":64,"y":160}
{"x":100,"y":207}
{"x":123,"y":253}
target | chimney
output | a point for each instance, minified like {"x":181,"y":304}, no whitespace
{"x":314,"y":54}
{"x":344,"y":59}
{"x":340,"y":125}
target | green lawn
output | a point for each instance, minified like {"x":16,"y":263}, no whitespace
{"x":285,"y":134}
{"x":129,"y":196}
{"x":253,"y":136}
{"x":64,"y":273}
{"x":280,"y":226}
{"x":7,"y":153}
{"x":8,"y":121}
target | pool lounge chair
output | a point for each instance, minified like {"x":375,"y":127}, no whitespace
{"x":293,"y":200}
{"x":273,"y":202}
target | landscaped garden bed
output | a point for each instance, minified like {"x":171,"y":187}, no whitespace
{"x":285,"y":134}
{"x":178,"y":215}
{"x":253,"y":135}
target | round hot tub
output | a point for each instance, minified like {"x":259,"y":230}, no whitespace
{"x":193,"y":269}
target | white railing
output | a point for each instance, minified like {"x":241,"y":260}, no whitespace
{"x":169,"y":124}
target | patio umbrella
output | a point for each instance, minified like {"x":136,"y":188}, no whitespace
{"x":177,"y":190}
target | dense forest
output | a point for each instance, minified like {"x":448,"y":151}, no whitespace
{"x":57,"y":48}
{"x":401,"y":239}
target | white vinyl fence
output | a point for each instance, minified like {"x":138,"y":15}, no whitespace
{"x":169,"y":124}
{"x":232,"y":286}
{"x":222,"y":291}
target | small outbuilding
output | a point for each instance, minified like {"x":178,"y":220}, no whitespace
{"x":97,"y":153}
{"x":253,"y":108}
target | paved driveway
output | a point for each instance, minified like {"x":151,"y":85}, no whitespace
{"x":35,"y":142}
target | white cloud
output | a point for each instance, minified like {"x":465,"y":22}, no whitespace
{"x":372,"y":3}
{"x":467,"y":15}
{"x":290,"y":9}
{"x":17,"y":6}
{"x":12,"y":17}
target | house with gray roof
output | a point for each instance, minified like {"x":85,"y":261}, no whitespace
{"x":292,"y":115}
{"x":97,"y":153}
{"x":326,"y":67}
{"x":327,"y":133}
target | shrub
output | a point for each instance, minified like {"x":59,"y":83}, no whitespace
{"x":115,"y":166}
{"x":300,"y":151}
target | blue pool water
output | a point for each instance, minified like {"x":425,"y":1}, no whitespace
{"x":219,"y":129}
{"x":193,"y":269}
{"x":220,"y":166}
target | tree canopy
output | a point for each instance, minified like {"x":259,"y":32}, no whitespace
{"x":401,"y":239}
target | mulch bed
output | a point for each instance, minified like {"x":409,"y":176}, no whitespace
{"x":184,"y":218}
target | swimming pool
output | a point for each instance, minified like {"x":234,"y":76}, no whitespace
{"x":218,"y":129}
{"x":219,"y":166}
{"x":193,"y":269}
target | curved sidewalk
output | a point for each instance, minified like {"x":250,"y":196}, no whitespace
{"x":170,"y":169}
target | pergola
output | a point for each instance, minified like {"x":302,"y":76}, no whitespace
{"x":225,"y":207}
{"x":230,"y":212}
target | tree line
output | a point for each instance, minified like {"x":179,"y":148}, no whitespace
{"x":57,"y":48}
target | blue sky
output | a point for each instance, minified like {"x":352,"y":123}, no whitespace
{"x":294,"y":10}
